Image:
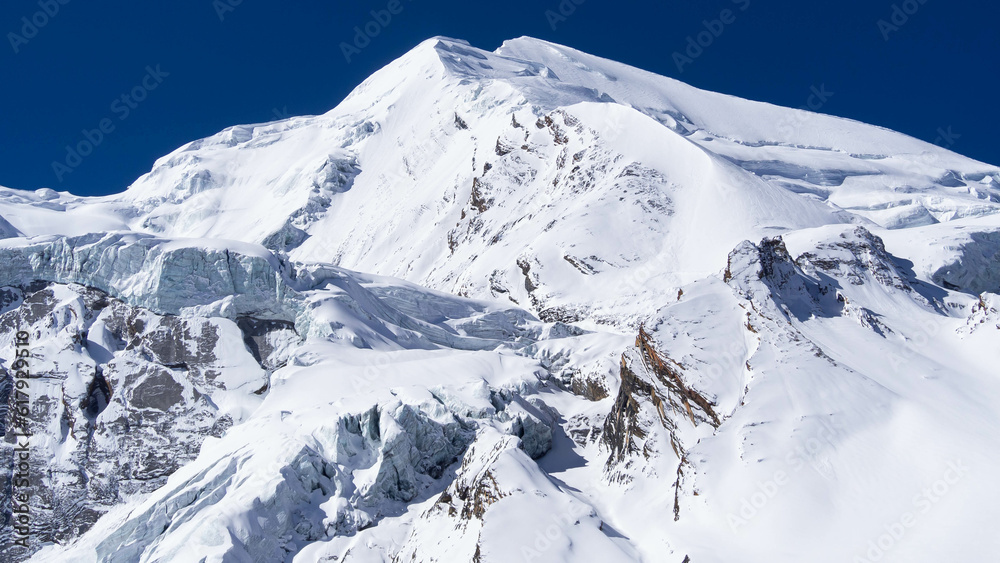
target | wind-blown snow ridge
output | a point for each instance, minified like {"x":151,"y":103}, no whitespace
{"x":607,"y":315}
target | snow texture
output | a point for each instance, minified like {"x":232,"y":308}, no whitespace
{"x":527,"y":304}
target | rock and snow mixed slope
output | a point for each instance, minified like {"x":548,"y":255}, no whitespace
{"x":640,"y":321}
{"x":475,"y":172}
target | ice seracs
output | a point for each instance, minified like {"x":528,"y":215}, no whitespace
{"x":523,"y":304}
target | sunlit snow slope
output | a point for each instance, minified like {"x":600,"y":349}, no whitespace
{"x":606,"y":316}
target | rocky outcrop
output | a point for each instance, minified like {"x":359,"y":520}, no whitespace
{"x":499,"y":494}
{"x":819,"y":283}
{"x":655,"y":409}
{"x":269,"y":341}
{"x":119,"y":400}
{"x":985,"y":314}
{"x":857,"y":257}
{"x":126,"y":397}
{"x":652,"y":395}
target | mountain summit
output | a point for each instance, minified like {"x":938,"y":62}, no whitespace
{"x":522,"y":304}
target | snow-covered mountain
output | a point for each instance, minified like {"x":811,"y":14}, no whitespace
{"x":604,"y":315}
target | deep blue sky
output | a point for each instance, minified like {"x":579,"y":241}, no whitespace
{"x":938,"y":72}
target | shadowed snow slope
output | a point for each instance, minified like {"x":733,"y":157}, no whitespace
{"x":639,"y":321}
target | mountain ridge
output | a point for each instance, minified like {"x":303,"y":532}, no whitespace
{"x":527,"y":303}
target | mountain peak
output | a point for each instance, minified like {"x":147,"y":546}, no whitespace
{"x":216,"y":370}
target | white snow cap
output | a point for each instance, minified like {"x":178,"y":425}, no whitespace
{"x":528,"y":303}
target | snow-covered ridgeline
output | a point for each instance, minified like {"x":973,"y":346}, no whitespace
{"x":817,"y":301}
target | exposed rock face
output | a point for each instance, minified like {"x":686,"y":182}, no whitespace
{"x":815,"y":283}
{"x":122,"y":396}
{"x":856,"y":256}
{"x":648,"y":379}
{"x":655,"y":409}
{"x":269,"y":341}
{"x":663,"y":410}
{"x":592,"y":389}
{"x":472,"y":495}
{"x":210,"y":375}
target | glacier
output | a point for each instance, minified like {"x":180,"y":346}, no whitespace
{"x":527,"y":304}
